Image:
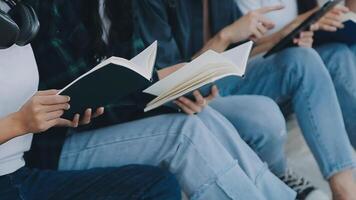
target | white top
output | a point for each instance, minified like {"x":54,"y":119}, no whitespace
{"x":18,"y":82}
{"x":281,"y":18}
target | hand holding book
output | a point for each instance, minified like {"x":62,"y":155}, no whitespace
{"x":333,"y":20}
{"x":117,"y":78}
{"x":341,"y":28}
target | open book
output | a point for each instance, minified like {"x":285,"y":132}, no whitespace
{"x":345,"y":35}
{"x":111,"y":80}
{"x":116,"y":78}
{"x":202,"y":71}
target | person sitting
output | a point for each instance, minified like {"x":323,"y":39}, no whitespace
{"x":24,"y":111}
{"x":203,"y":150}
{"x":188,"y":28}
{"x":339,"y":58}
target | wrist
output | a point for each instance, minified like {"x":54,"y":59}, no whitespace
{"x":278,"y":37}
{"x":224,"y":37}
{"x":17,"y":125}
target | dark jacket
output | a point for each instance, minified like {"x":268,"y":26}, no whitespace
{"x":63,"y":53}
{"x":178,"y":25}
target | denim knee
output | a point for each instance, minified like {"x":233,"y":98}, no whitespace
{"x":259,"y":122}
{"x":338,"y":59}
{"x":302,"y":66}
{"x":271,"y":126}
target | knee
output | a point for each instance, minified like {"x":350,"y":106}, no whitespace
{"x":336,"y":54}
{"x":258,"y":119}
{"x":302,"y":64}
{"x":270,"y":124}
{"x":333,"y":51}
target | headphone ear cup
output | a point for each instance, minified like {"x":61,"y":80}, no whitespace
{"x":27,"y":20}
{"x":9,"y":31}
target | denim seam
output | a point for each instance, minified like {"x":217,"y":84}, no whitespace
{"x":197,"y":193}
{"x":348,"y":88}
{"x":338,"y":168}
{"x":260,"y":174}
{"x":271,"y":71}
{"x":65,"y":154}
{"x":316,"y":134}
{"x":213,"y":181}
{"x":202,"y":188}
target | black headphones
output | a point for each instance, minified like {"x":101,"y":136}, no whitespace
{"x":19,"y":26}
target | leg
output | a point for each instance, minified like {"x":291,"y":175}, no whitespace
{"x":261,"y":124}
{"x":299,"y":74}
{"x":353,"y":49}
{"x":341,"y":64}
{"x":248,"y":160}
{"x":130,"y":182}
{"x":184,"y":145}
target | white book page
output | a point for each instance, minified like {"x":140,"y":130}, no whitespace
{"x":236,"y":58}
{"x":155,"y":104}
{"x":239,"y":55}
{"x":349,"y":16}
{"x":161,"y":102}
{"x":206,"y":61}
{"x":142,"y":64}
{"x":146,"y":59}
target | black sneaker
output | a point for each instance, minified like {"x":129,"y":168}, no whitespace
{"x":303,"y":188}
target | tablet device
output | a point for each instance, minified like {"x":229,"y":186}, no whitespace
{"x":288,"y":40}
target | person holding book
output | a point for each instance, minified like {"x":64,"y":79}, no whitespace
{"x":24,"y":111}
{"x":188,"y":28}
{"x":203,"y":150}
{"x":338,"y":57}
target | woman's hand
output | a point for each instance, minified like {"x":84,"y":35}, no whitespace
{"x":192,"y":107}
{"x":253,"y":25}
{"x":305,"y":38}
{"x":44,"y":111}
{"x":89,"y":115}
{"x":332,"y":21}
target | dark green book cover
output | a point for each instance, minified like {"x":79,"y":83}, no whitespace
{"x":103,"y":87}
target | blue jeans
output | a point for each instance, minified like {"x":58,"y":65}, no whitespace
{"x":129,"y":182}
{"x":260,"y":124}
{"x":204,"y":151}
{"x":340,"y":61}
{"x":299,"y":75}
{"x":353,"y":49}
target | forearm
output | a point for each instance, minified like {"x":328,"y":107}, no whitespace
{"x":266,"y":43}
{"x":219,"y":43}
{"x":351,"y":4}
{"x":169,"y":70}
{"x":9,"y":128}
